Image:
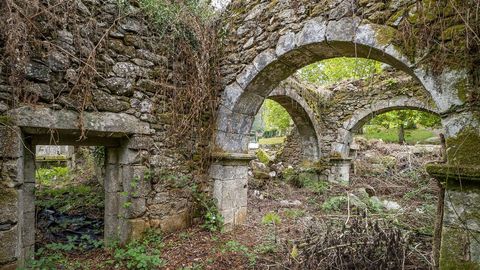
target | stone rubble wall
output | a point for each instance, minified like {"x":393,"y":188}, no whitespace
{"x":125,"y":84}
{"x":335,"y":105}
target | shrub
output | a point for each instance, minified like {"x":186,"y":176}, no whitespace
{"x":334,"y":203}
{"x":271,"y":218}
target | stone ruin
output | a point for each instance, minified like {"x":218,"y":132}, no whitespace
{"x":265,"y":43}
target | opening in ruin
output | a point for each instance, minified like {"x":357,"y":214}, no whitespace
{"x":69,"y":200}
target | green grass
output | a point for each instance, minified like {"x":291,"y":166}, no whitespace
{"x":412,"y":136}
{"x":274,"y":140}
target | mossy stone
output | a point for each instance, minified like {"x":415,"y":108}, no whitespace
{"x":464,"y":149}
{"x":455,"y":249}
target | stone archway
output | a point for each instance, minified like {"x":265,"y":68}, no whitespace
{"x":270,"y":52}
{"x":304,"y":120}
{"x":341,"y":169}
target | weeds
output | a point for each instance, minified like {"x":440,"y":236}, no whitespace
{"x":212,"y":219}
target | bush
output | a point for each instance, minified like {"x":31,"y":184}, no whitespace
{"x":271,"y":218}
{"x":140,"y":254}
{"x":335,"y":203}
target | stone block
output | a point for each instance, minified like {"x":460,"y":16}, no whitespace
{"x":8,"y":205}
{"x":9,"y":245}
{"x":247,"y":75}
{"x":231,"y":142}
{"x":172,"y":223}
{"x":12,"y":172}
{"x":135,"y":228}
{"x":28,"y":229}
{"x":249,"y":104}
{"x":112,"y":203}
{"x":240,"y":216}
{"x":264,"y":59}
{"x":10,"y":142}
{"x":342,"y":30}
{"x":140,"y":143}
{"x":136,"y":208}
{"x":232,"y":122}
{"x":231,"y":94}
{"x":286,"y":43}
{"x":113,"y":182}
{"x":313,"y":32}
{"x":128,"y":156}
{"x":111,"y":227}
{"x":27,"y":195}
{"x":134,"y":181}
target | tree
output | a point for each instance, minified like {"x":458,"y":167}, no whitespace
{"x":403,"y":119}
{"x":337,"y":69}
{"x":275,"y":116}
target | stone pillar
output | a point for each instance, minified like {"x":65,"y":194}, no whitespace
{"x":460,"y":245}
{"x":113,"y":190}
{"x":230,"y":176}
{"x":134,"y":187}
{"x":11,"y":182}
{"x":340,"y":170}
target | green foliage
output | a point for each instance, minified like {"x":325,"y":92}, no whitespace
{"x":53,"y":176}
{"x":337,"y":69}
{"x":317,"y":187}
{"x":70,"y":197}
{"x":263,"y":156}
{"x":407,"y":118}
{"x":140,"y":254}
{"x":236,"y":247}
{"x":212,"y":219}
{"x":275,"y":116}
{"x":413,"y":136}
{"x":271,"y":218}
{"x":53,"y":255}
{"x":99,"y":155}
{"x":335,"y":203}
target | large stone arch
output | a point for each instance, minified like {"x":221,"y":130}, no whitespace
{"x":268,"y":41}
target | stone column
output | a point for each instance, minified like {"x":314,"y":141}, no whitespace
{"x":135,"y":187}
{"x":230,"y":175}
{"x":460,"y":244}
{"x":11,"y":183}
{"x":340,"y":170}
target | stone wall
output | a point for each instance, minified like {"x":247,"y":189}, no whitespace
{"x":346,"y":106}
{"x":120,"y":100}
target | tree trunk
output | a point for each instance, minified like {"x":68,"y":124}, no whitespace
{"x":437,"y":233}
{"x":401,"y":134}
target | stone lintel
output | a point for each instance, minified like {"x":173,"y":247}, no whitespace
{"x":235,"y":157}
{"x":38,"y":119}
{"x":444,"y":172}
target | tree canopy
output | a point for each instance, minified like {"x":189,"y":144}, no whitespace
{"x":337,"y":69}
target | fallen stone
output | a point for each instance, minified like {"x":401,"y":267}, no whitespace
{"x":286,"y":203}
{"x":391,"y":206}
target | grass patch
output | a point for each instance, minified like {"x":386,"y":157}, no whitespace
{"x":412,"y":136}
{"x":274,"y":140}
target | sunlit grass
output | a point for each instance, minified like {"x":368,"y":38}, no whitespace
{"x":412,"y":136}
{"x":274,"y":140}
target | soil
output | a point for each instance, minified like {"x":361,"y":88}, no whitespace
{"x":405,"y":182}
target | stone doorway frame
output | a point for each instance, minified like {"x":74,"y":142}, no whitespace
{"x":124,"y":138}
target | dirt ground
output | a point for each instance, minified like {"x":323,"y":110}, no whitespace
{"x":256,"y":245}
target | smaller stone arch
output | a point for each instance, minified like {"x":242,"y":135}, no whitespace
{"x":341,"y":148}
{"x":303,"y":117}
